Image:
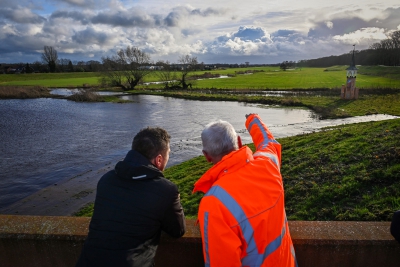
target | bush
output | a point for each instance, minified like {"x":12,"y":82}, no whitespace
{"x":85,"y":95}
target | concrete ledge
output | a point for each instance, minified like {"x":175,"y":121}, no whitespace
{"x":57,"y":241}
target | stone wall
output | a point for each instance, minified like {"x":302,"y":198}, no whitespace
{"x":57,"y":242}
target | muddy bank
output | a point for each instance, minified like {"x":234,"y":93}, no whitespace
{"x":61,"y":199}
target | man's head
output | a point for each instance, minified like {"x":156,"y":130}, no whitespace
{"x":219,"y":139}
{"x":153,"y":143}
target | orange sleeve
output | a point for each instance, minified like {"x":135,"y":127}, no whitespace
{"x":264,"y":141}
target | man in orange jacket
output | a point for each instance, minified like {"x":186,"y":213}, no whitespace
{"x":242,"y":214}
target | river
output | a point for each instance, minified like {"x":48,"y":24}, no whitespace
{"x":44,"y":141}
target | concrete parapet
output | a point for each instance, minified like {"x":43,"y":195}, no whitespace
{"x":57,"y":241}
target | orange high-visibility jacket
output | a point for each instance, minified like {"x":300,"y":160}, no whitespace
{"x":242,"y":214}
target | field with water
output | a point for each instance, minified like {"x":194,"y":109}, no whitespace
{"x":254,"y":78}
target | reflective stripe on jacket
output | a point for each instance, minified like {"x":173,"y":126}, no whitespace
{"x":242,"y":216}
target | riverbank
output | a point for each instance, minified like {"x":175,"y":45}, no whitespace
{"x":19,"y":92}
{"x":325,"y":104}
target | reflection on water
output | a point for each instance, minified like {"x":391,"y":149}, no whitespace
{"x":44,"y":141}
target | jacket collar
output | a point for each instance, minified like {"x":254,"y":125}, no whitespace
{"x":135,"y":166}
{"x":228,"y":164}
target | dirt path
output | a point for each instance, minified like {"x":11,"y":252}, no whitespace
{"x":61,"y":199}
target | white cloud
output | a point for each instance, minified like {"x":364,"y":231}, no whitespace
{"x":363,"y":36}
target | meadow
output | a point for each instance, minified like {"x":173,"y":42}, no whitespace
{"x":257,"y":78}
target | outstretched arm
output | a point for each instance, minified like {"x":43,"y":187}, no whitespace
{"x":264,"y":141}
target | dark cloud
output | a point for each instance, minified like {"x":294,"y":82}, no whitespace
{"x":90,"y":36}
{"x":75,"y":15}
{"x":207,"y":12}
{"x":351,"y":23}
{"x":79,"y":3}
{"x":21,"y":15}
{"x":337,"y":27}
{"x":393,"y":18}
{"x":125,"y":19}
{"x":178,"y":14}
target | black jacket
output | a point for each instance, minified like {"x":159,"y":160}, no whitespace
{"x":395,"y":226}
{"x":134,"y":202}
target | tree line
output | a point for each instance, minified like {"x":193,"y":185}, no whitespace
{"x":385,"y":52}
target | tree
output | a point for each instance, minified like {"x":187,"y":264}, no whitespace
{"x":63,"y":64}
{"x":188,"y":65}
{"x":284,"y":65}
{"x":70,"y":66}
{"x":49,"y":56}
{"x":127,"y":68}
{"x":28,"y":69}
{"x":167,"y":75}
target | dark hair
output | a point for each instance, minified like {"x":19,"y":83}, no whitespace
{"x":151,"y":141}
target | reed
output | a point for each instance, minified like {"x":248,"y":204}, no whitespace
{"x":8,"y":92}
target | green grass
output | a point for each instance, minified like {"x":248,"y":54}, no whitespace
{"x":351,"y":172}
{"x":56,"y":80}
{"x":262,"y":78}
{"x":270,"y":78}
{"x":346,"y":173}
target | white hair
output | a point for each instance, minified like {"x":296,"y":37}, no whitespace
{"x":219,"y":139}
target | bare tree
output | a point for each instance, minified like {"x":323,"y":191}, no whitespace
{"x":112,"y":72}
{"x":167,"y":75}
{"x":188,"y":65}
{"x":49,"y":56}
{"x":127,"y":68}
{"x":63,"y":64}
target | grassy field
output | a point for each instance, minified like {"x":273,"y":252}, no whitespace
{"x":346,"y":173}
{"x":56,"y":80}
{"x":262,"y":78}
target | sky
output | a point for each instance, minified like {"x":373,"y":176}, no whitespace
{"x":230,"y":32}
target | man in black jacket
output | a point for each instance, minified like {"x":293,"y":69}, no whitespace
{"x":395,"y":226}
{"x":134,"y":203}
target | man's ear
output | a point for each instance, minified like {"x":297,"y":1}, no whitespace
{"x":239,"y":141}
{"x":158,"y":161}
{"x":208,"y":158}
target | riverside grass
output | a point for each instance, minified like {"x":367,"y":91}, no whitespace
{"x":343,"y":173}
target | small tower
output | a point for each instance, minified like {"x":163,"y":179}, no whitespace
{"x":349,"y":91}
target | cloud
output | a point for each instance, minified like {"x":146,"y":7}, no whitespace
{"x":73,"y":16}
{"x":364,"y":36}
{"x":21,"y":15}
{"x":90,"y":36}
{"x":212,"y":31}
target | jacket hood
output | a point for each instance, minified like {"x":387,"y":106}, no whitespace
{"x":137,"y":167}
{"x":231,"y":162}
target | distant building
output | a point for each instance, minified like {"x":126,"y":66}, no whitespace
{"x":349,"y":91}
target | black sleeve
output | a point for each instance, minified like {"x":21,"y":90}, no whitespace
{"x":174,"y":219}
{"x":395,"y":226}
